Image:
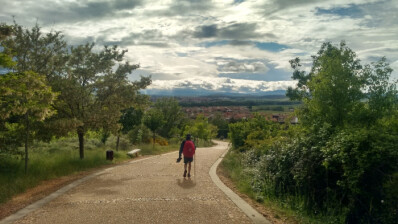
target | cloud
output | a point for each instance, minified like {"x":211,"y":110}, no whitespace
{"x":212,"y":39}
{"x":182,"y":7}
{"x":234,"y":31}
{"x":227,"y":85}
{"x":49,"y":12}
{"x":206,"y":31}
{"x":235,"y":67}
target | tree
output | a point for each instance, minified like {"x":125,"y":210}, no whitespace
{"x":201,"y":129}
{"x":221,"y":124}
{"x":253,"y":132}
{"x":331,"y":92}
{"x":381,"y":92}
{"x":154,"y":120}
{"x":5,"y":59}
{"x":349,"y":137}
{"x":27,"y":95}
{"x":24,"y":95}
{"x":44,"y":54}
{"x":172,"y":114}
{"x":93,"y":84}
{"x":131,"y":118}
{"x":93,"y":92}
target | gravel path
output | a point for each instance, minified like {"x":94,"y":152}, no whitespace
{"x":148,"y":191}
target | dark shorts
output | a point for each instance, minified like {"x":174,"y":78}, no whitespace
{"x":186,"y":160}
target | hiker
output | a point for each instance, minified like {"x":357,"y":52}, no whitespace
{"x":187,"y":148}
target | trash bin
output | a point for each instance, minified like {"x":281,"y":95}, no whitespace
{"x":109,"y":155}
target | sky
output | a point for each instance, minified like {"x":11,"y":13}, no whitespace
{"x":220,"y":46}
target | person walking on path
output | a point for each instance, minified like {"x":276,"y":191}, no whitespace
{"x":187,"y":148}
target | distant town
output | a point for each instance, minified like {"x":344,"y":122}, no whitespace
{"x":236,"y":113}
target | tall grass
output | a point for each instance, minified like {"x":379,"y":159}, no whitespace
{"x":290,"y":206}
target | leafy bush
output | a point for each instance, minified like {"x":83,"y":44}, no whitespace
{"x":342,"y":160}
{"x":140,"y":134}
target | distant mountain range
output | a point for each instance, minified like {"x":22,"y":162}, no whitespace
{"x":192,"y":93}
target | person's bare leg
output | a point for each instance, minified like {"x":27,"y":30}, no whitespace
{"x":189,"y":168}
{"x":185,"y":169}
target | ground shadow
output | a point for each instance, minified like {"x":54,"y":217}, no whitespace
{"x":186,"y":183}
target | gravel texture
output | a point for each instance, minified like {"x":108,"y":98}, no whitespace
{"x":148,"y":191}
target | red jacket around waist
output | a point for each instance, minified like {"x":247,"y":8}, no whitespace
{"x":189,"y":149}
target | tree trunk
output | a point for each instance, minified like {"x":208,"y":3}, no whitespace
{"x":154,"y":137}
{"x":80,"y":134}
{"x":26,"y":141}
{"x":117,"y":142}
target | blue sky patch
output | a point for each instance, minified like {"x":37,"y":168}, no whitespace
{"x":214,"y":43}
{"x":270,"y":46}
{"x":350,"y":11}
{"x":271,"y":75}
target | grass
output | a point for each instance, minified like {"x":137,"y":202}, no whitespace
{"x":60,"y":158}
{"x":148,"y":149}
{"x":289,"y":207}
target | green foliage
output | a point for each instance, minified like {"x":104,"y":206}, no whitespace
{"x":93,"y":93}
{"x":221,"y":124}
{"x":92,"y":84}
{"x":27,"y":95}
{"x":252,"y":132}
{"x":131,"y":118}
{"x":154,"y":120}
{"x":139,"y":134}
{"x":33,"y":51}
{"x":201,"y":129}
{"x":331,"y":92}
{"x":342,"y":160}
{"x":172,"y":115}
{"x":148,"y":149}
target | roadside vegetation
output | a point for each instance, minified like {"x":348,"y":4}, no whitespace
{"x":340,"y":163}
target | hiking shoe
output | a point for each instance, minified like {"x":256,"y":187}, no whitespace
{"x":189,"y":175}
{"x":185,"y":173}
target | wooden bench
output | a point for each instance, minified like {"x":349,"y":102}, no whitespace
{"x":134,"y":152}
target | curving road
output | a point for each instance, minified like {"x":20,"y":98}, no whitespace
{"x":150,"y":190}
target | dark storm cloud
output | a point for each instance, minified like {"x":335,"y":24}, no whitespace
{"x":235,"y":31}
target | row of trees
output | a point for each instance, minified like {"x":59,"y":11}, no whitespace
{"x":50,"y":89}
{"x":342,"y":159}
{"x":166,"y":119}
